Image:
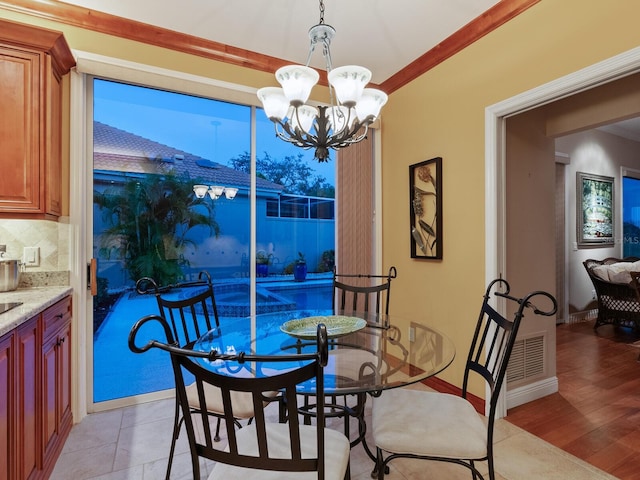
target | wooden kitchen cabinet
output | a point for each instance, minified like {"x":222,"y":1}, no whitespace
{"x":28,"y":389}
{"x":33,"y":61}
{"x":7,"y":395}
{"x":35,"y":399}
{"x":56,"y":380}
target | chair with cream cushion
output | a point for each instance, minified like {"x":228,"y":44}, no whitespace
{"x":264,"y":449}
{"x":444,"y":427}
{"x":362,"y":294}
{"x":190,"y":311}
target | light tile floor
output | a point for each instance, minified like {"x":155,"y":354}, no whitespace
{"x":132,"y":443}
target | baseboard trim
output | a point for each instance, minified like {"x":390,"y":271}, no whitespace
{"x":533,"y":391}
{"x":515,"y":397}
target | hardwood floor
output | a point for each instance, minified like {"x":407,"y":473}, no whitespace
{"x":596,"y":413}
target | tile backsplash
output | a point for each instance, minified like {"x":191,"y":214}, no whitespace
{"x":53,"y":240}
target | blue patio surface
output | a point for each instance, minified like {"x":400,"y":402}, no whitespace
{"x":118,"y":372}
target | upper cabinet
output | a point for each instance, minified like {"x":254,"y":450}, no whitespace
{"x":33,"y":61}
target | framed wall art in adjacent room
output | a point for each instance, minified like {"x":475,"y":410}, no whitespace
{"x":595,"y":216}
{"x":425,"y":207}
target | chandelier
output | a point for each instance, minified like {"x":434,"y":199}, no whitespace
{"x":353,"y":107}
{"x":214,"y":191}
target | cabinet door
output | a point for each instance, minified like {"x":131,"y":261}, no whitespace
{"x":63,"y":399}
{"x":28,"y":381}
{"x":20,"y":131}
{"x":7,"y":392}
{"x":56,"y":391}
{"x":56,"y":379}
{"x":49,"y":377}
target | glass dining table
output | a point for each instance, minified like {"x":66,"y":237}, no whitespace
{"x":368,"y":352}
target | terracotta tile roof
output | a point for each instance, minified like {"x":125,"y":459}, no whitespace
{"x":121,"y":151}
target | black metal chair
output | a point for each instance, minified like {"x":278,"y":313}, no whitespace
{"x":362,"y":293}
{"x":190,"y":311}
{"x":443,"y":427}
{"x":263,"y":450}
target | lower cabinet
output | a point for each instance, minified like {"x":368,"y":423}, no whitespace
{"x":7,"y":394}
{"x":56,"y":381}
{"x":28,"y":389}
{"x":35,"y":394}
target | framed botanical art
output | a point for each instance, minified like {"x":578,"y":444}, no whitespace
{"x":595,"y":216}
{"x":425,"y":206}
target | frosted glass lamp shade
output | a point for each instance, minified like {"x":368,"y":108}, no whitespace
{"x":200,"y":190}
{"x":230,"y":193}
{"x":297,"y":82}
{"x":303,"y":117}
{"x":348,"y":82}
{"x":274,"y":102}
{"x":370,"y":103}
{"x":337,"y":117}
{"x":217,"y":190}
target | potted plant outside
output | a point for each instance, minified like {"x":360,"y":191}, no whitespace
{"x":263,"y":260}
{"x":300,"y":268}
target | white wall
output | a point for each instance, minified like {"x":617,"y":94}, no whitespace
{"x":599,"y":153}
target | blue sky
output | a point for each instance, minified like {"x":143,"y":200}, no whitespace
{"x":208,"y":128}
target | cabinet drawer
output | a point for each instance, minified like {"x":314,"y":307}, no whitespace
{"x":56,"y":316}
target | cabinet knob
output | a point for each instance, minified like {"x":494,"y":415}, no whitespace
{"x":60,"y":315}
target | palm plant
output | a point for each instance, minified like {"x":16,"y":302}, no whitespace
{"x":148,"y":220}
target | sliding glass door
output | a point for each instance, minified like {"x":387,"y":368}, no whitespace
{"x":150,"y":148}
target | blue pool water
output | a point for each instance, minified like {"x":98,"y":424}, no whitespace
{"x":307,"y":298}
{"x":119,"y":373}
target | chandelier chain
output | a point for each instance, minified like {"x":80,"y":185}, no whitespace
{"x":321,"y":12}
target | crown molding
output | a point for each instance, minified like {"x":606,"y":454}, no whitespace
{"x":108,"y":24}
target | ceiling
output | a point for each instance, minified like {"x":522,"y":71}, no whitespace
{"x":383,"y":35}
{"x":629,"y":129}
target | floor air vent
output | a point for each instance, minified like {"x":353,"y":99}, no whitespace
{"x":527,"y":358}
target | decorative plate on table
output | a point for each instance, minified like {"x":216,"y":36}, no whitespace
{"x":337,"y":326}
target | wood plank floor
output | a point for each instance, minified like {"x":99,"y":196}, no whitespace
{"x":596,"y":413}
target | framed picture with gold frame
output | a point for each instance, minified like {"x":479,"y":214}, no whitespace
{"x":425,"y":207}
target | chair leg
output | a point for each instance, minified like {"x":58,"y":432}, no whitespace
{"x":174,"y":438}
{"x":216,"y":438}
{"x":378,"y":470}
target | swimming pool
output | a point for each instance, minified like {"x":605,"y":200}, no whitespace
{"x":118,"y":372}
{"x":232,"y":299}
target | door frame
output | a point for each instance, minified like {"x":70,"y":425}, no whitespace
{"x":608,"y":70}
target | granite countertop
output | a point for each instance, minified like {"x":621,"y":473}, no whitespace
{"x":34,"y":300}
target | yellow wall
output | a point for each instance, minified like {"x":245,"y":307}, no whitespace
{"x":441,"y":114}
